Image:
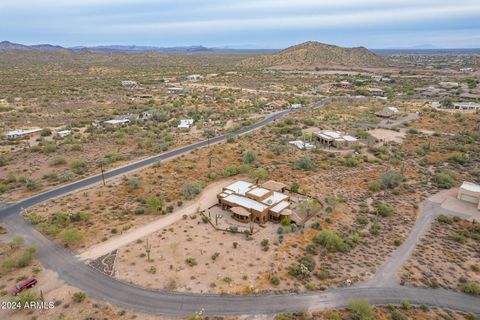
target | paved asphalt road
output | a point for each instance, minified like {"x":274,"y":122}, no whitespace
{"x":105,"y":288}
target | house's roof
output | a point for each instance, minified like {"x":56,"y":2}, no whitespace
{"x":259,"y":192}
{"x":470,"y":186}
{"x":302,"y":145}
{"x":240,"y":187}
{"x":245,"y":202}
{"x":22,"y":131}
{"x":280,"y":206}
{"x":273,"y":185}
{"x":241,"y":211}
{"x":116,"y":121}
{"x":276,"y":197}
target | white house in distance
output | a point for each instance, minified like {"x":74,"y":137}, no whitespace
{"x":185,"y":123}
{"x":23,"y":133}
{"x":296,"y":106}
{"x":302,"y":145}
{"x":335,"y":138}
{"x":194,"y":77}
{"x":116,"y":122}
{"x":64,"y":133}
{"x":469,"y":192}
{"x":129,"y":83}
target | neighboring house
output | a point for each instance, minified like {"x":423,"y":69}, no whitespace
{"x":377,"y":92}
{"x":335,"y":139}
{"x":64,"y":133}
{"x":387,"y":112}
{"x":296,"y":106}
{"x":302,"y":145}
{"x":467,"y":106}
{"x":466,"y":70}
{"x":19,"y":134}
{"x":249,"y":202}
{"x":185,"y":123}
{"x":116,"y":123}
{"x":344,"y":85}
{"x":469,"y":192}
{"x":129,"y":83}
{"x":176,"y":90}
{"x":194,"y":77}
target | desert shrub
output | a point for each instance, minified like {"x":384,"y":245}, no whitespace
{"x":78,"y":166}
{"x":79,"y":296}
{"x":331,"y":241}
{"x":458,"y":237}
{"x":274,"y":280}
{"x":191,"y":262}
{"x":311,"y":249}
{"x":3,"y":161}
{"x":34,"y":218}
{"x":154,"y":204}
{"x":374,"y":187}
{"x":134,"y":183}
{"x":350,"y":162}
{"x":397,"y":315}
{"x":249,"y":157}
{"x":443,"y":180}
{"x":229,"y":171}
{"x":303,"y":269}
{"x":46,"y":132}
{"x":405,"y":304}
{"x":295,"y":186}
{"x":470,"y":287}
{"x":445,"y":219}
{"x":259,"y":174}
{"x":391,"y":180}
{"x":304,"y":163}
{"x":458,"y":158}
{"x":32,"y":184}
{"x":215,"y":256}
{"x":361,"y":310}
{"x":71,"y":236}
{"x":385,"y":210}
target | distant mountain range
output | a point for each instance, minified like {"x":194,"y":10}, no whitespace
{"x":10,"y":46}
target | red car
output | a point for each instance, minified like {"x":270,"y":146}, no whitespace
{"x":30,"y":283}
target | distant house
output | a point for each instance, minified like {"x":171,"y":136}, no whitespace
{"x":129,"y":83}
{"x":335,"y":139}
{"x":376,"y":92}
{"x":176,"y":90}
{"x":185,"y":123}
{"x":466,"y":106}
{"x":387,"y":112}
{"x":466,"y":70}
{"x":302,"y":145}
{"x":296,"y":106}
{"x":116,"y":123}
{"x":20,"y":134}
{"x":432,"y":91}
{"x":343,"y":85}
{"x":469,"y":192}
{"x":275,"y":104}
{"x":194,"y":77}
{"x":64,"y":133}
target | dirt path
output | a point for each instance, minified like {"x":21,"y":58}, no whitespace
{"x":207,"y":198}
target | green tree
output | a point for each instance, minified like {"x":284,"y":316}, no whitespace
{"x":331,"y":241}
{"x":391,"y":180}
{"x":309,"y":208}
{"x":259,"y":174}
{"x":304,"y":163}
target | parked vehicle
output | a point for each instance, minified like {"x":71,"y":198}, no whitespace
{"x":30,"y":283}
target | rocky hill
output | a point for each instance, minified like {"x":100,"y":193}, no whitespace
{"x":311,"y":55}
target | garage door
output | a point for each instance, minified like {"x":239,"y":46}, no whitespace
{"x":466,"y":197}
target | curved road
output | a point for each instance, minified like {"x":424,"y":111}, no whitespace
{"x":105,"y":288}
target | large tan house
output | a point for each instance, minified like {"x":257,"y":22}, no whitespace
{"x":250,"y":202}
{"x":469,"y":192}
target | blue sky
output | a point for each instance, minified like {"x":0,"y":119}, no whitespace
{"x":243,"y":23}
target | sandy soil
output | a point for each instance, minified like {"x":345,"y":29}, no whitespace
{"x":207,"y":198}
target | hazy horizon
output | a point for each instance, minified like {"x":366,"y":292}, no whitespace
{"x":249,"y":24}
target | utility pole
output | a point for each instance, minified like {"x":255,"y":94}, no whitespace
{"x":103,"y":176}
